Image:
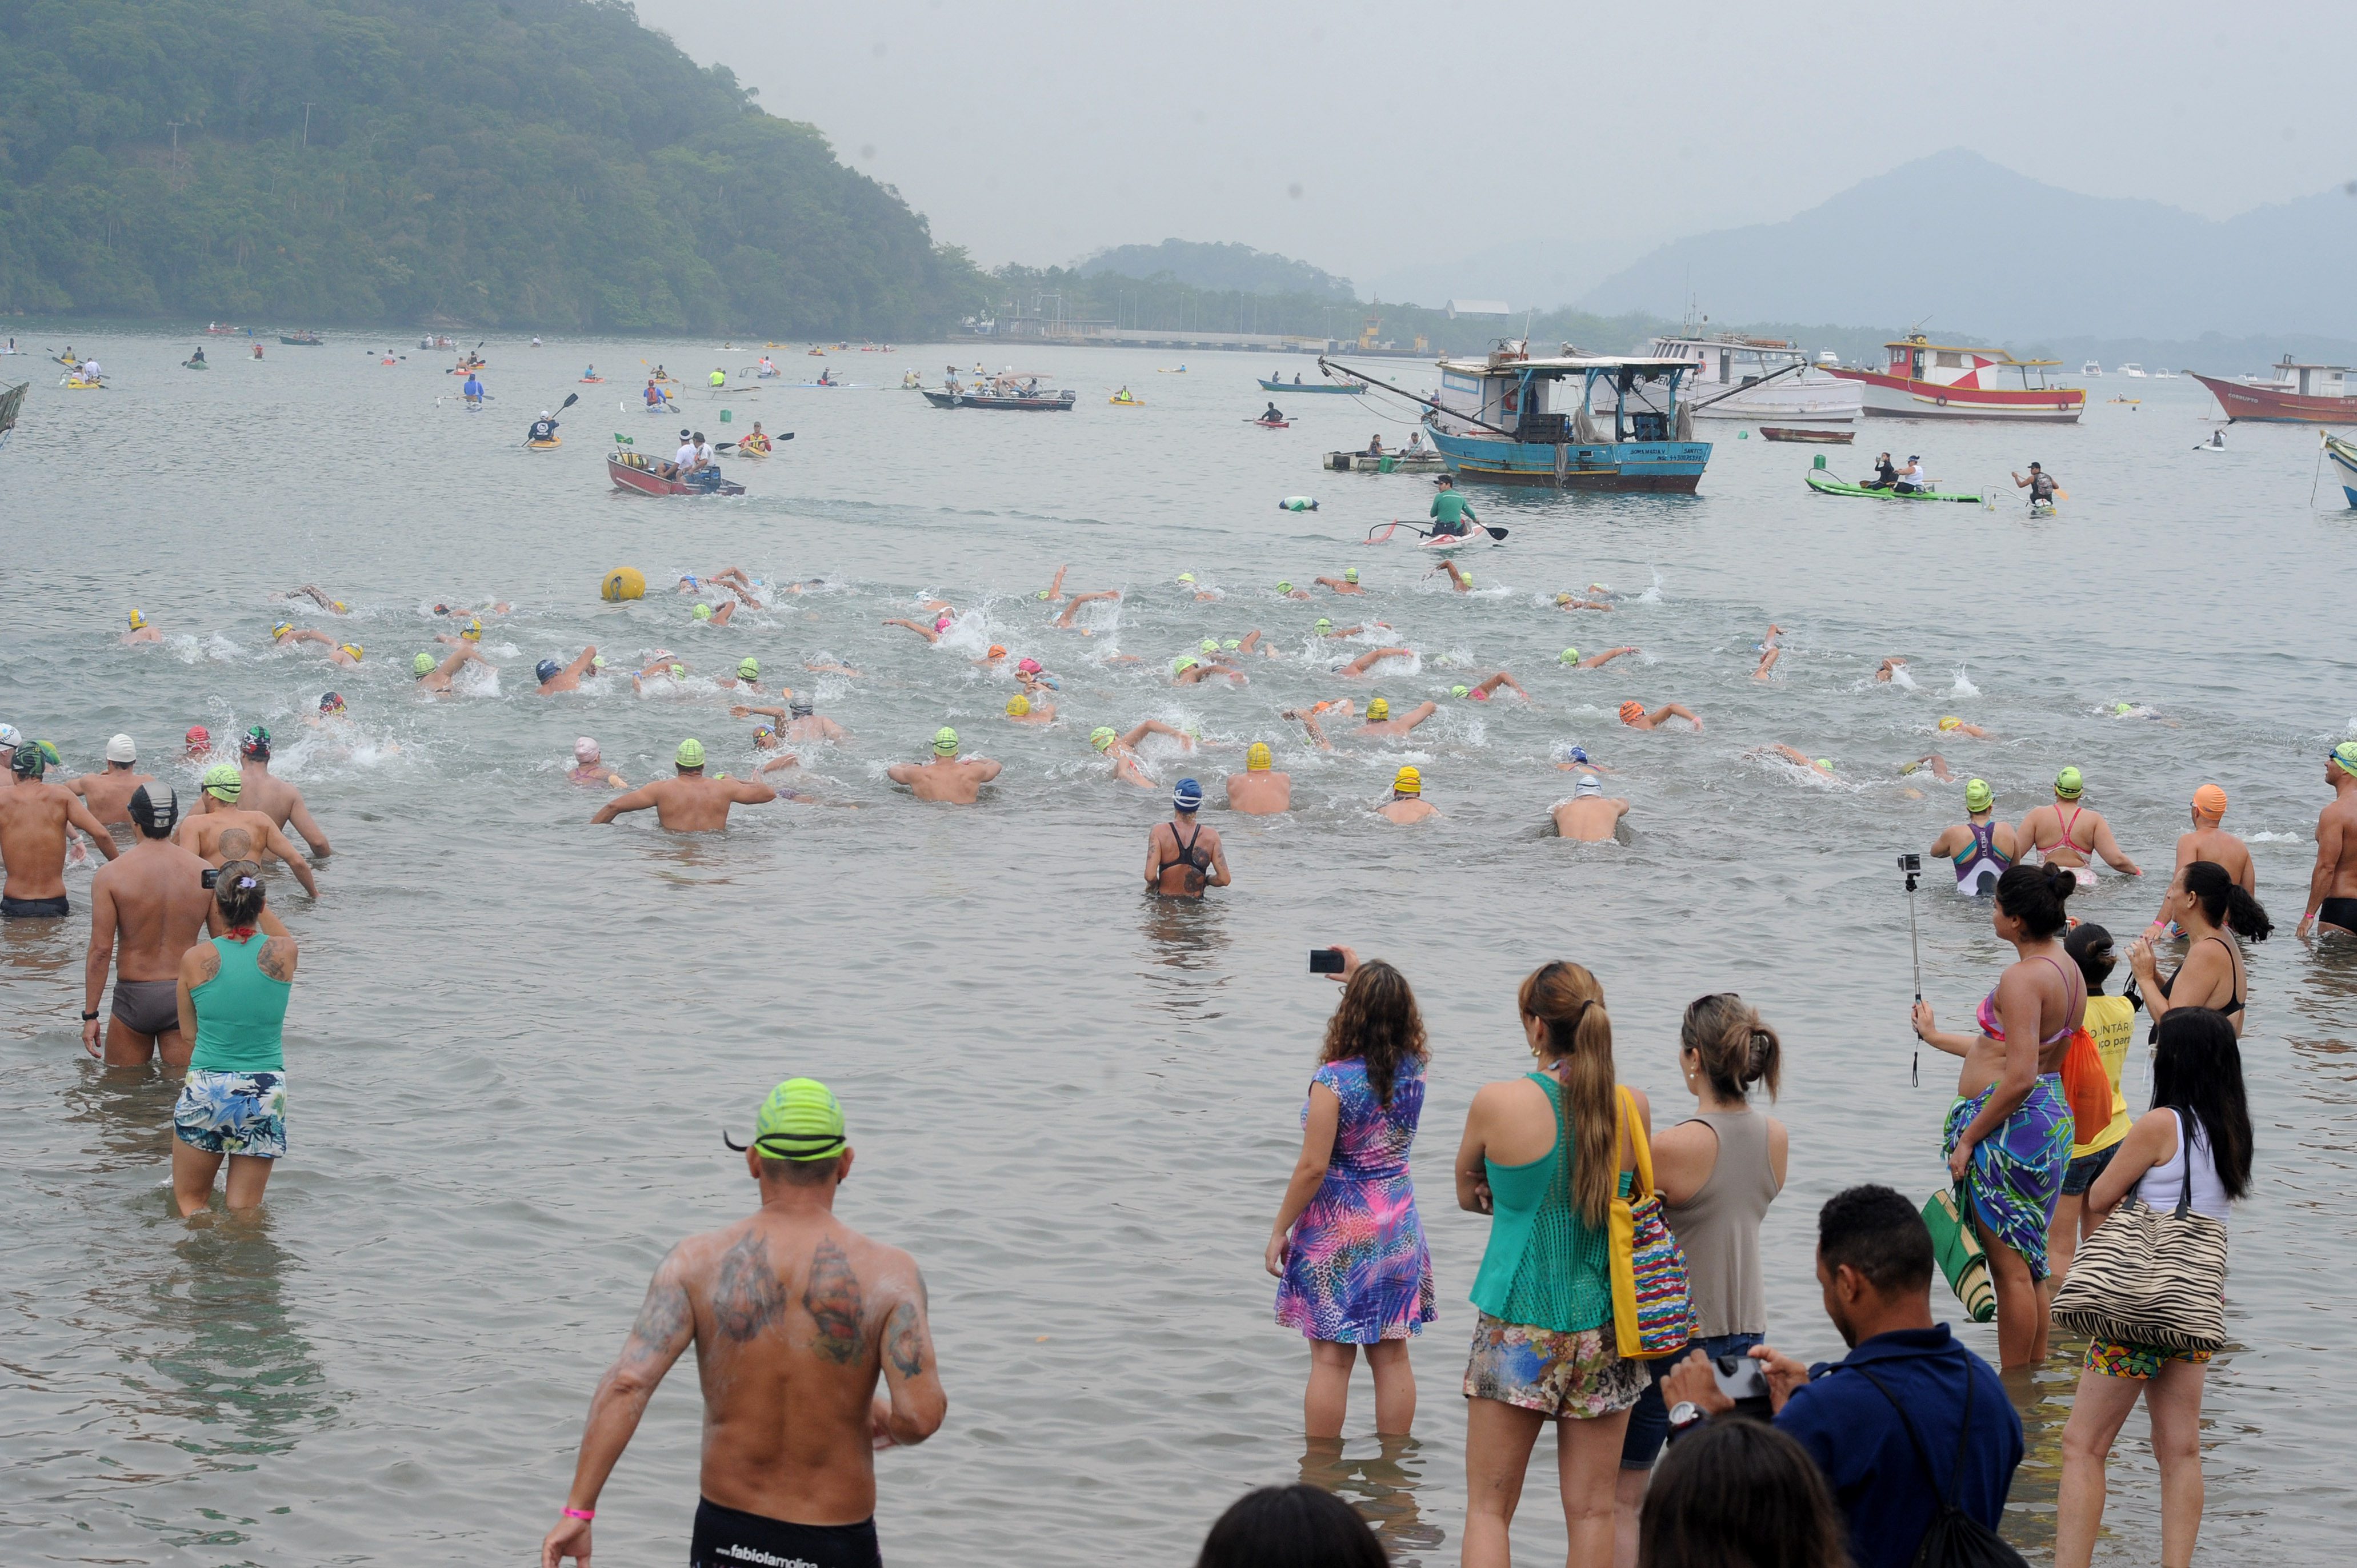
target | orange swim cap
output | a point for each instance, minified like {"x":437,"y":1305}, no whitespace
{"x":2210,"y":801}
{"x":1631,"y":711}
{"x":998,"y":651}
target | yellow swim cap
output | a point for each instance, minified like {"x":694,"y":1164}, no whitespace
{"x":1102,"y":736}
{"x":137,"y":620}
{"x":1018,"y":705}
{"x":1378,"y":709}
{"x":474,"y":633}
{"x":1258,"y":757}
{"x":1952,"y":722}
{"x":280,"y":629}
{"x":1407,"y":782}
{"x":354,"y":649}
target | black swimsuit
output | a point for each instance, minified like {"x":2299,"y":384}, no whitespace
{"x":2234,"y":1003}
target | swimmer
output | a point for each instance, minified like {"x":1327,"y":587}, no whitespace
{"x":141,"y":631}
{"x":196,"y":744}
{"x":1379,"y":720}
{"x":2139,"y":711}
{"x":1459,"y":578}
{"x":287,"y":634}
{"x":1120,"y":750}
{"x":1771,"y":651}
{"x":1633,"y":714}
{"x":261,"y":791}
{"x":747,"y":677}
{"x":1260,"y":791}
{"x":1183,"y":855}
{"x":1482,"y":692}
{"x":220,"y":829}
{"x":1187,"y":581}
{"x":2332,"y":886}
{"x":992,"y":658}
{"x":1979,"y":848}
{"x":825,"y":664}
{"x":704,"y":615}
{"x":798,"y":720}
{"x":34,"y":819}
{"x":766,"y":739}
{"x":146,"y":911}
{"x":947,"y":777}
{"x":1891,"y":666}
{"x":345,"y":653}
{"x":108,"y":794}
{"x":930,"y":634}
{"x":2208,"y":841}
{"x":1589,"y":816}
{"x":1054,"y":591}
{"x":1190,"y":670}
{"x":1576,"y":760}
{"x":1288,"y":591}
{"x":588,"y":767}
{"x":435,"y":678}
{"x":1574,"y":602}
{"x":1021,"y":709}
{"x":1951,"y":724}
{"x":1570,"y":656}
{"x":555,"y":677}
{"x":664,"y":667}
{"x":2066,"y":833}
{"x":1348,"y":583}
{"x":473,"y":633}
{"x":1407,"y":803}
{"x":1821,"y":766}
{"x":1373,"y":656}
{"x":1074,"y":608}
{"x":688,"y":802}
{"x":1250,"y":643}
{"x":733,"y":578}
{"x":319,"y":596}
{"x":331,"y":711}
{"x":1936,"y":762}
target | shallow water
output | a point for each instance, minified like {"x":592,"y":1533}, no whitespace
{"x":516,"y":1037}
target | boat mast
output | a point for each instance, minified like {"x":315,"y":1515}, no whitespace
{"x":1361,"y":375}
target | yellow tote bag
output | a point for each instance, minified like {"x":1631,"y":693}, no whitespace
{"x":1653,"y":1304}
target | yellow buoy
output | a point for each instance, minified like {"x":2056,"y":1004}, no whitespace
{"x":623,"y":583}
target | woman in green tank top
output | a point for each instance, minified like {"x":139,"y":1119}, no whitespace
{"x":232,"y":992}
{"x":1544,"y":1157}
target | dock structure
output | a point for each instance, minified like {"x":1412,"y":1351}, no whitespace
{"x":1091,"y":334}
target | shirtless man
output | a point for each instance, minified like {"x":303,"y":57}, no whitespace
{"x":221,"y":829}
{"x":589,"y":766}
{"x":747,"y":678}
{"x":1260,"y":791}
{"x":34,"y":818}
{"x":1407,"y":803}
{"x":2065,"y":834}
{"x":274,"y":797}
{"x":1981,"y":847}
{"x":1633,"y":714}
{"x":141,"y":631}
{"x":196,"y":744}
{"x":1481,"y":693}
{"x":1348,"y":583}
{"x":1190,"y":670}
{"x":1373,"y":656}
{"x":146,"y":911}
{"x":1460,"y":578}
{"x":435,"y":678}
{"x":1574,"y":602}
{"x":1183,"y":855}
{"x":948,"y":778}
{"x":1073,"y":608}
{"x":1021,"y":711}
{"x":1821,"y":766}
{"x":1951,"y":724}
{"x":2332,"y":886}
{"x":704,"y":615}
{"x":1590,"y":816}
{"x":318,"y":596}
{"x":794,"y":1315}
{"x":797,"y":720}
{"x":1570,"y":657}
{"x":1120,"y":750}
{"x":555,"y":678}
{"x":2212,"y":843}
{"x":1288,"y":591}
{"x":1891,"y":666}
{"x":688,"y":802}
{"x":1328,"y":629}
{"x":108,"y":794}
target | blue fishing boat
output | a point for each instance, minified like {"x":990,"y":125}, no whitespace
{"x":1574,"y":421}
{"x":2343,"y":454}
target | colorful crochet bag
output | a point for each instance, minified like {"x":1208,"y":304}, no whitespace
{"x":1653,"y":1304}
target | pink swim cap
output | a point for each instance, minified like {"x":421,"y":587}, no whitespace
{"x":943,"y":623}
{"x":585,"y":750}
{"x":1029,"y":666}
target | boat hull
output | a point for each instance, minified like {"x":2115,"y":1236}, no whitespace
{"x":1826,"y":485}
{"x":1672,"y":467}
{"x":1830,"y":437}
{"x":647,"y":482}
{"x":1060,"y":402}
{"x":2272,"y":405}
{"x":1827,"y":402}
{"x":2343,"y":454}
{"x":1389,"y":463}
{"x":1351,"y":390}
{"x":1898,"y":397}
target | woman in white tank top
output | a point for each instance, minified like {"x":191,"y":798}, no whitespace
{"x":2196,"y":1136}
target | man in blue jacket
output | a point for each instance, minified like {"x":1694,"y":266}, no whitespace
{"x":1875,"y":1265}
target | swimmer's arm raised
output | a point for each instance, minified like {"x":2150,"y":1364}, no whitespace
{"x":638,"y":799}
{"x":79,"y":815}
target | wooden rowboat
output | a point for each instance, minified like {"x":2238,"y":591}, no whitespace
{"x":1829,"y":437}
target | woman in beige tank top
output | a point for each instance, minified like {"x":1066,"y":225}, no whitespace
{"x":1718,"y":1171}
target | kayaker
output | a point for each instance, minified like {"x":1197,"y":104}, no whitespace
{"x":588,"y":373}
{"x":757,"y":442}
{"x":1450,"y":512}
{"x":543,"y":428}
{"x":1271,"y":416}
{"x":719,"y":377}
{"x":1885,"y":476}
{"x":198,"y":357}
{"x":1914,"y":480}
{"x":2039,"y":484}
{"x":471,"y":389}
{"x":654,"y":393}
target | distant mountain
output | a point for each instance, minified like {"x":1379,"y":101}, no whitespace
{"x":1229,"y":268}
{"x":1544,"y":271}
{"x":1963,"y":244}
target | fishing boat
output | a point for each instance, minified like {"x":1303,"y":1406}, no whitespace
{"x":1010,"y":391}
{"x":301,"y":339}
{"x":1924,"y":380}
{"x":631,"y":472}
{"x":1757,"y":378}
{"x":1828,"y":438}
{"x":1510,"y":419}
{"x":1423,"y":461}
{"x":1347,"y":389}
{"x":2298,"y":394}
{"x":1826,"y":484}
{"x":2342,"y":453}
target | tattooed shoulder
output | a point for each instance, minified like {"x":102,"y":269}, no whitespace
{"x":273,"y":959}
{"x":904,"y":1339}
{"x":833,"y":1301}
{"x":747,"y":1294}
{"x":665,"y":1318}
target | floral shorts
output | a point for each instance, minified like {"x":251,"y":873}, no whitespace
{"x":2117,"y":1359}
{"x":1576,"y":1374}
{"x":233,"y":1113}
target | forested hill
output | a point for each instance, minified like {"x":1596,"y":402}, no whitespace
{"x":543,"y":164}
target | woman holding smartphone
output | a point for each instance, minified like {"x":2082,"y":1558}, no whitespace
{"x":233,"y":989}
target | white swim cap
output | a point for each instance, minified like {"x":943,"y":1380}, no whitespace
{"x":585,"y":750}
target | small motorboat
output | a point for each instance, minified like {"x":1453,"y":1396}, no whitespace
{"x":631,"y":472}
{"x":1828,"y":438}
{"x":1825,"y":484}
{"x":1348,"y":388}
{"x":301,"y":339}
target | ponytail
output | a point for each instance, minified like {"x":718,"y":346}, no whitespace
{"x":2223,"y":900}
{"x":1579,"y":1040}
{"x":1734,"y":1048}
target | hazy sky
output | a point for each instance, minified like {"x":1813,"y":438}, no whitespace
{"x":1384,"y":140}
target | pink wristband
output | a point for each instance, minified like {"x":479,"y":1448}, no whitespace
{"x":581,"y":1513}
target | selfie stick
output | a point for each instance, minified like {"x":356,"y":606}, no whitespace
{"x":1914,"y":1065}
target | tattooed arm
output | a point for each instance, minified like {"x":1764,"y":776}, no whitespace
{"x":911,"y":1405}
{"x":665,"y":1326}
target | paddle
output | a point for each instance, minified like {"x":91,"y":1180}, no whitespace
{"x":561,"y":407}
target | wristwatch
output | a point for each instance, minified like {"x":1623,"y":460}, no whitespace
{"x":1685,"y":1416}
{"x":89,"y":1017}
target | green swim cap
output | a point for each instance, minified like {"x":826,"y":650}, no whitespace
{"x":422,"y":665}
{"x":1978,"y":796}
{"x":2122,"y":708}
{"x":1234,"y":645}
{"x":1102,"y":736}
{"x":1568,"y":656}
{"x":1186,"y":576}
{"x":1043,"y":593}
{"x":2069,"y":783}
{"x":689,"y":754}
{"x":2344,"y":757}
{"x":678,"y":671}
{"x":702,"y":612}
{"x":749,"y":669}
{"x":1826,"y":763}
{"x":1323,"y":624}
{"x":801,"y":1120}
{"x":1284,"y":587}
{"x":1350,"y":574}
{"x":945,"y":742}
{"x":1185,"y":661}
{"x":1210,"y":645}
{"x":1464,"y":577}
{"x":224,"y":783}
{"x":1458,"y":691}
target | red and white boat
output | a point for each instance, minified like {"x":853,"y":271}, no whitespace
{"x":1941,"y":381}
{"x":2300,"y":394}
{"x":631,"y":472}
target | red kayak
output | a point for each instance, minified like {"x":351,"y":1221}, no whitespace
{"x":1272,"y":423}
{"x":628,"y":474}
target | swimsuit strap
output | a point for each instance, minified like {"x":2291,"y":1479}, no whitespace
{"x":2064,"y":1032}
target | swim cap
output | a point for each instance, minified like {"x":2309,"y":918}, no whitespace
{"x":256,"y":742}
{"x":945,"y":742}
{"x":998,"y":651}
{"x":1102,"y":736}
{"x":678,"y":671}
{"x":801,"y":1120}
{"x":1186,"y":576}
{"x":1978,"y":796}
{"x":942,"y":622}
{"x":1378,"y":709}
{"x":1568,"y":656}
{"x":1587,"y":784}
{"x":137,"y":620}
{"x":1018,"y":705}
{"x":547,"y":670}
{"x":280,"y":629}
{"x":689,"y":755}
{"x":424,"y":664}
{"x":1631,"y":711}
{"x":700,"y":612}
{"x":198,"y":735}
{"x":1464,"y":578}
{"x":474,"y":633}
{"x":154,"y":819}
{"x":1825,"y":764}
{"x":1029,"y":666}
{"x":29,"y":763}
{"x":749,"y":670}
{"x":1952,"y":722}
{"x":1578,"y":754}
{"x":1188,"y":796}
{"x":585,"y":750}
{"x":445,"y":609}
{"x":798,"y":706}
{"x":2121,"y":709}
{"x":1350,"y":574}
{"x":331,"y":702}
{"x":1407,"y":782}
{"x":354,"y":649}
{"x":1324,"y":625}
{"x":1258,"y":757}
{"x":1234,"y":645}
{"x":50,"y":750}
{"x":1210,"y":645}
{"x":1185,"y":661}
{"x":9,"y":735}
{"x":222,"y":781}
{"x":121,"y":749}
{"x":1459,"y":691}
{"x":2345,"y":754}
{"x":2210,"y":800}
{"x":2069,"y":783}
{"x":1284,"y":587}
{"x":596,"y":661}
{"x":1563,"y":598}
{"x":339,"y":604}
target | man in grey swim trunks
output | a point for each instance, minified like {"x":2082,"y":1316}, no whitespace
{"x":34,"y":818}
{"x":146,"y":909}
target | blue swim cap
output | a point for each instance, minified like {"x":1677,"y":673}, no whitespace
{"x":1189,"y":796}
{"x":1579,"y":754}
{"x":547,"y":670}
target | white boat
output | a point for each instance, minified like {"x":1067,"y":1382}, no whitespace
{"x":2344,"y":462}
{"x":2164,"y":375}
{"x":2091,"y":369}
{"x":1730,"y":380}
{"x":2133,"y":370}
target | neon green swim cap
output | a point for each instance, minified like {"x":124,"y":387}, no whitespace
{"x":1284,"y":587}
{"x":689,"y":754}
{"x":1102,"y":736}
{"x":678,"y":671}
{"x":749,"y":669}
{"x":422,"y":665}
{"x":801,"y":1120}
{"x":1826,"y":763}
{"x":1568,"y":656}
{"x":1234,"y":645}
{"x":2122,"y":708}
{"x":1978,"y":796}
{"x":945,"y":742}
{"x":1458,"y":691}
{"x":1323,"y":626}
{"x":1350,"y":574}
{"x":1210,"y":645}
{"x":1185,"y":661}
{"x":2344,"y":757}
{"x":2070,"y":784}
{"x":702,"y":612}
{"x":224,"y":783}
{"x":1187,"y":576}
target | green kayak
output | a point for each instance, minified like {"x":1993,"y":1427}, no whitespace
{"x":1824,"y":484}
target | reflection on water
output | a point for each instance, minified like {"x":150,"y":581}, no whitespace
{"x":1187,"y":957}
{"x":233,"y":1361}
{"x":1381,"y":1481}
{"x":128,"y":1112}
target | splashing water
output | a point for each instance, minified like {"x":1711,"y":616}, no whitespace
{"x":1961,"y":687}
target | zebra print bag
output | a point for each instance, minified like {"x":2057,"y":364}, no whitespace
{"x":2149,"y":1279}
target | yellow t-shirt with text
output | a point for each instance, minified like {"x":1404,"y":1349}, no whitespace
{"x":2112,"y":1021}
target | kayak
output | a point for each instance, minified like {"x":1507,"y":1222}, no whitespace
{"x":195,"y":365}
{"x":1126,"y":402}
{"x":74,"y":383}
{"x":1271,"y":424}
{"x":550,"y":444}
{"x":745,"y":451}
{"x":593,"y":381}
{"x":1824,"y":484}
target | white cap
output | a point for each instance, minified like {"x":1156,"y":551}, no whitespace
{"x":585,"y":750}
{"x":9,"y":737}
{"x":120,"y":749}
{"x":1588,"y":784}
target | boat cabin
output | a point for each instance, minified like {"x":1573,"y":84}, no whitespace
{"x":2309,"y":381}
{"x":1725,"y":359}
{"x":1916,"y":359}
{"x":1516,"y":394}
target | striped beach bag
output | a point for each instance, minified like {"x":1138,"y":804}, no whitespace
{"x":1652,"y":1307}
{"x":1959,"y":1254}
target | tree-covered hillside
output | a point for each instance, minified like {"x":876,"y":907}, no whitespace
{"x":1235,"y":267}
{"x":548,"y":164}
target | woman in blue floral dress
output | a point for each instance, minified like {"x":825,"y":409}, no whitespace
{"x":1348,"y":1248}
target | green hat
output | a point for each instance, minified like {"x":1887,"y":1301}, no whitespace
{"x":1186,"y":576}
{"x":29,"y":763}
{"x":1826,"y":763}
{"x":1323,"y":624}
{"x":702,"y":612}
{"x":2121,"y":709}
{"x":1284,"y":587}
{"x":1458,"y":691}
{"x":1568,"y":656}
{"x":945,"y":742}
{"x":2069,"y":783}
{"x":422,"y":665}
{"x":689,"y":754}
{"x":1102,"y":736}
{"x":1210,"y":645}
{"x":1350,"y":574}
{"x":1978,"y":796}
{"x":224,"y":783}
{"x":749,"y":669}
{"x":2345,"y":756}
{"x":1234,"y":645}
{"x":50,"y":752}
{"x":801,"y":1120}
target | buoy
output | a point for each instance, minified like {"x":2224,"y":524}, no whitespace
{"x":1297,"y":503}
{"x":1743,"y":435}
{"x":623,"y":583}
{"x":723,"y":416}
{"x":1821,"y":460}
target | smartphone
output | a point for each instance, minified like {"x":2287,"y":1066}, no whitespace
{"x":1325,"y":961}
{"x":1742,"y":1379}
{"x":212,"y":876}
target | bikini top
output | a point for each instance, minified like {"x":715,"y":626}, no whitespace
{"x":1985,"y":1015}
{"x":2234,"y":976}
